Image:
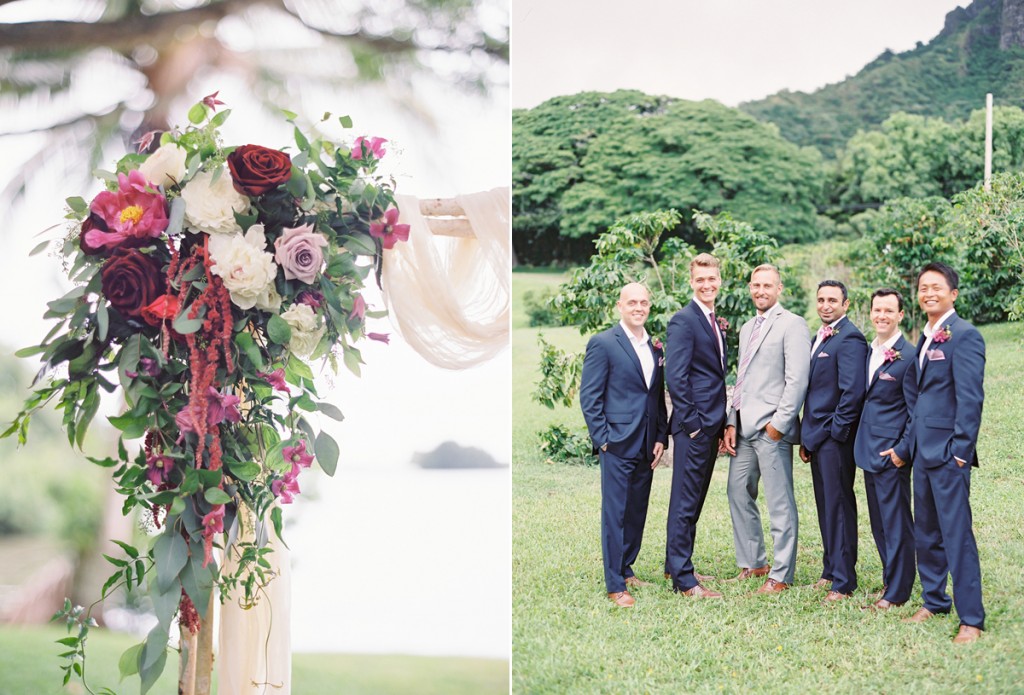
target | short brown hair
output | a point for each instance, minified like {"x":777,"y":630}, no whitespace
{"x":704,"y":260}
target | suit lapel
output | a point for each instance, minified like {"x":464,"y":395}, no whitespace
{"x":765,"y":327}
{"x":898,"y":346}
{"x":951,"y":322}
{"x":623,"y":340}
{"x":712,"y":332}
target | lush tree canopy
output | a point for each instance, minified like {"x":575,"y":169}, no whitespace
{"x":582,"y":161}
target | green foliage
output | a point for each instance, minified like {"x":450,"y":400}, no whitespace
{"x":538,"y":307}
{"x":947,"y":78}
{"x":560,"y":375}
{"x":582,"y":161}
{"x":562,"y":445}
{"x":915,"y":156}
{"x":898,"y":240}
{"x":989,"y":229}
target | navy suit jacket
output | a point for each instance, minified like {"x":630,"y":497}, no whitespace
{"x":946,"y":419}
{"x":694,"y":372}
{"x":891,"y":395}
{"x":619,"y":408}
{"x":835,"y":387}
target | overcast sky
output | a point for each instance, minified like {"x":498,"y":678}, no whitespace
{"x":729,"y":50}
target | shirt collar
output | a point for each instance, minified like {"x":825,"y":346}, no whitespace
{"x":887,"y":344}
{"x":770,"y":310}
{"x":632,"y":338}
{"x":702,"y":307}
{"x":929,"y":329}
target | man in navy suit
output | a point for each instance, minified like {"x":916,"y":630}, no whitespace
{"x":835,"y":393}
{"x":695,"y":364}
{"x":943,"y":436}
{"x":622,"y":394}
{"x":891,"y":392}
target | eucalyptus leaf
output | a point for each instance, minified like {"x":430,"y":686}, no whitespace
{"x":170,"y":553}
{"x":327,"y":453}
{"x":176,"y":220}
{"x":184,"y":325}
{"x":128,"y":664}
{"x":278,"y":330}
{"x":330,"y":410}
{"x":215,"y":495}
{"x":197,"y":114}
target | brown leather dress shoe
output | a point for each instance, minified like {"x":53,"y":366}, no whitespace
{"x":822,"y":584}
{"x":749,"y":572}
{"x":922,"y":615}
{"x":835,"y":596}
{"x":701,"y":591}
{"x":636,"y":581}
{"x":882,"y":605}
{"x":696,"y":575}
{"x":622,"y":599}
{"x":966,"y":635}
{"x":772,"y":586}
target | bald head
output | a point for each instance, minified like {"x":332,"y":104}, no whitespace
{"x":634,"y":306}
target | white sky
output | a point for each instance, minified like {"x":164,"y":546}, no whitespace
{"x":728,"y":50}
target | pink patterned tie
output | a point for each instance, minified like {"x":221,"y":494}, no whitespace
{"x":737,"y":391}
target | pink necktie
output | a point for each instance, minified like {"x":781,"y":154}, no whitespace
{"x":737,"y":391}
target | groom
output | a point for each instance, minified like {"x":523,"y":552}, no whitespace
{"x":622,"y":394}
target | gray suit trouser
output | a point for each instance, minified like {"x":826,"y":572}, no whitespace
{"x":756,"y":459}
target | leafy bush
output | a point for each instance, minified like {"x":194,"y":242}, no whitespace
{"x":560,"y":445}
{"x":538,"y":308}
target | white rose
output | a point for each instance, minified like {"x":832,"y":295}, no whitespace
{"x":210,"y":206}
{"x":306,"y":329}
{"x":247,"y":270}
{"x":166,"y":166}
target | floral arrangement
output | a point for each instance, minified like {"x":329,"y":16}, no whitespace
{"x":891,"y":355}
{"x":207,"y":278}
{"x":942,"y":335}
{"x":723,"y":324}
{"x":828,"y":331}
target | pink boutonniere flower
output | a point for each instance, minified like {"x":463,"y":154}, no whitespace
{"x":942,"y":335}
{"x":892,"y":355}
{"x":827,"y":332}
{"x":656,"y":343}
{"x":723,"y":323}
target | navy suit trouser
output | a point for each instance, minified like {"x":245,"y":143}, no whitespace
{"x":892,"y":525}
{"x":625,"y":492}
{"x":693,"y":461}
{"x":943,"y":530}
{"x":832,"y":472}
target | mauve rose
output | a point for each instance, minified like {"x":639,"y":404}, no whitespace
{"x":256,"y":170}
{"x":131,"y":281}
{"x":299,"y":253}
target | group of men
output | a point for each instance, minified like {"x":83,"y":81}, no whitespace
{"x":886,"y":407}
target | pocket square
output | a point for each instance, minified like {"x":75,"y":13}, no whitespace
{"x":661,"y":361}
{"x":886,"y":376}
{"x":822,"y":354}
{"x":936,"y":355}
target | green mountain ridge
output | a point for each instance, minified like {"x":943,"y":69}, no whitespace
{"x":979,"y":50}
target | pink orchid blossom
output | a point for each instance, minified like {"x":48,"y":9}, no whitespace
{"x":374,"y":145}
{"x":942,"y":335}
{"x":389,"y":231}
{"x":132,"y":213}
{"x":358,"y":308}
{"x":380,"y":337}
{"x":212,"y":101}
{"x":311,"y":298}
{"x":276,"y":380}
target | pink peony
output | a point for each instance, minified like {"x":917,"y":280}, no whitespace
{"x":132,"y":213}
{"x":374,"y":145}
{"x":389,"y":231}
{"x":300,"y":254}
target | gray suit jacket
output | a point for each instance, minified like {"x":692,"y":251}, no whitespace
{"x":775,"y":382}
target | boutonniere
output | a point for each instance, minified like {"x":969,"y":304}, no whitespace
{"x":723,"y":323}
{"x":942,"y":335}
{"x":892,"y":355}
{"x":656,"y":343}
{"x":828,"y":331}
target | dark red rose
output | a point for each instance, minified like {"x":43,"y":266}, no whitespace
{"x":88,"y":224}
{"x":256,"y":170}
{"x":131,"y":281}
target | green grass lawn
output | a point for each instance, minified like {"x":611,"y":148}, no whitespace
{"x":568,"y":638}
{"x":29,"y":666}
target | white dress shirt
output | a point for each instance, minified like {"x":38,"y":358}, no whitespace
{"x":819,"y":340}
{"x":878,"y":353}
{"x":929,"y":331}
{"x":643,"y":351}
{"x":714,"y":328}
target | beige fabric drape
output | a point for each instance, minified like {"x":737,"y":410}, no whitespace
{"x":449,"y":297}
{"x":255,"y":644}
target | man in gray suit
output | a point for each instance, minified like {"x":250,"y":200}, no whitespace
{"x":762,"y":427}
